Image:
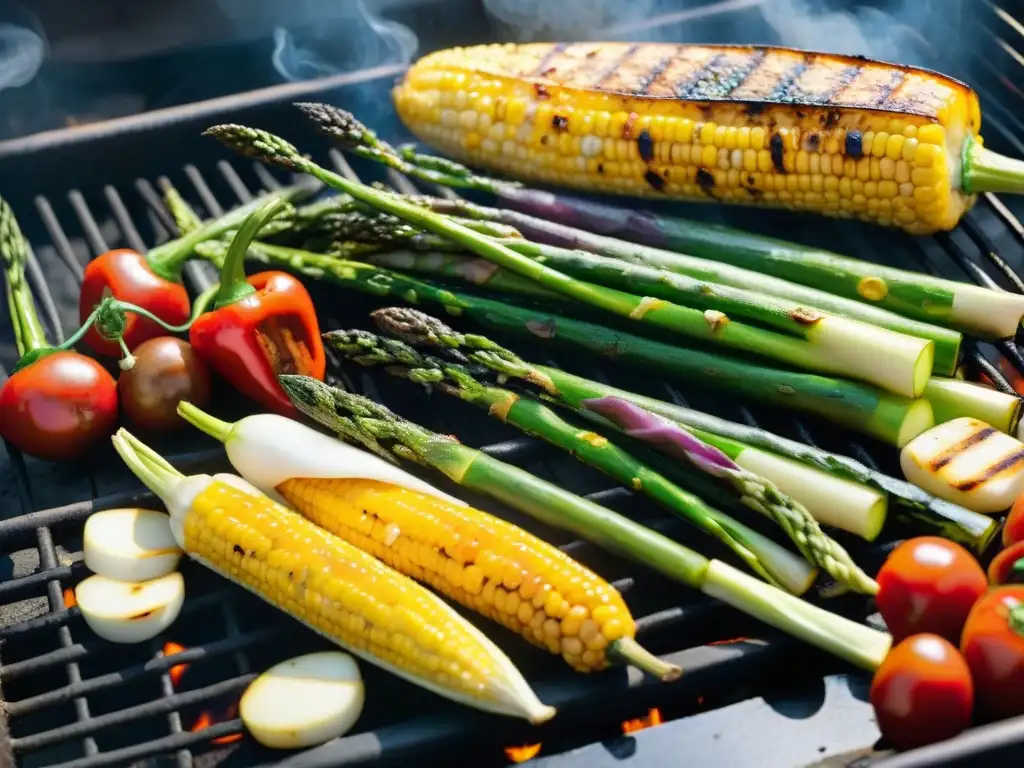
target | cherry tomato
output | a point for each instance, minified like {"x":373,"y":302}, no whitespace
{"x":166,"y":371}
{"x":993,"y":645}
{"x":58,"y":406}
{"x":922,"y":693}
{"x":1002,"y":569}
{"x":1013,"y":531}
{"x":929,"y":584}
{"x":128,"y":276}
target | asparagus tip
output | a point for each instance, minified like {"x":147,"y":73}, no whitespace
{"x":337,"y":123}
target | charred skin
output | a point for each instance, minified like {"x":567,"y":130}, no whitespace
{"x":839,"y":135}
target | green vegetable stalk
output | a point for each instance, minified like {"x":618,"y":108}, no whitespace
{"x":830,"y":484}
{"x":362,"y":420}
{"x":763,"y":556}
{"x":905,"y":372}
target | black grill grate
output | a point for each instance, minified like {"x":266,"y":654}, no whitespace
{"x":73,"y":700}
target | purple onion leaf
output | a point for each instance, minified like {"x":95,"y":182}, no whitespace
{"x":665,"y":435}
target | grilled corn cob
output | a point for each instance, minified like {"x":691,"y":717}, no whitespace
{"x":475,"y":559}
{"x":839,"y":135}
{"x":335,"y":589}
{"x":472,"y":557}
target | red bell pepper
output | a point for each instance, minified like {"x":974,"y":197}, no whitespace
{"x":261,"y":327}
{"x":152,"y":282}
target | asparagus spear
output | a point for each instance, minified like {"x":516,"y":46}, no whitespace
{"x":967,"y":308}
{"x":888,"y":417}
{"x":751,"y":447}
{"x":537,"y":419}
{"x":906,"y":374}
{"x":357,"y":418}
{"x":555,"y":239}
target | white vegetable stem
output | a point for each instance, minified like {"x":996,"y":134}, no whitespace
{"x":267,"y":449}
{"x":952,"y":398}
{"x":831,"y":500}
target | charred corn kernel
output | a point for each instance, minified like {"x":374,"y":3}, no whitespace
{"x":508,"y":575}
{"x":349,"y":597}
{"x":656,"y":112}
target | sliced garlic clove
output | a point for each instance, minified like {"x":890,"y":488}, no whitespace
{"x":967,"y":462}
{"x":304,"y":701}
{"x":130,"y":612}
{"x":130,"y":544}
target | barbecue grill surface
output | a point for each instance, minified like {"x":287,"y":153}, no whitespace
{"x":73,"y":700}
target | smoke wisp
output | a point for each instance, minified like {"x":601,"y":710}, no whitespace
{"x":22,"y":53}
{"x":921,"y":32}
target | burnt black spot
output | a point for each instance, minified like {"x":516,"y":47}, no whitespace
{"x":657,"y":183}
{"x":544,"y":139}
{"x":859,"y":57}
{"x":800,"y":115}
{"x":755,"y":194}
{"x":238,"y":550}
{"x":706,"y":181}
{"x":775,"y":146}
{"x":560,"y":122}
{"x":812,"y":142}
{"x":600,"y":168}
{"x":593,"y":53}
{"x":750,"y":180}
{"x":756,"y":108}
{"x":540,"y":91}
{"x":854,"y":144}
{"x":645,"y":144}
{"x":707,"y":112}
{"x":831,"y":118}
{"x":548,"y":71}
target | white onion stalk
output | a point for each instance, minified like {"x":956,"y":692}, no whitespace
{"x":130,"y":544}
{"x":126,"y":612}
{"x":952,"y":399}
{"x":267,"y":449}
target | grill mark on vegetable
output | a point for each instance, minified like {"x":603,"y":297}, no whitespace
{"x":992,"y":470}
{"x":544,"y":66}
{"x":615,"y":65}
{"x":717,"y":80}
{"x":685,"y":91}
{"x":653,"y":74}
{"x":886,"y":91}
{"x":846,"y":77}
{"x":944,"y":458}
{"x":780,"y":93}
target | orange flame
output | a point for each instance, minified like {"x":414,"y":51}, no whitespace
{"x":178,"y":670}
{"x":652,"y":719}
{"x":523,"y":753}
{"x":206,"y":719}
{"x":69,"y":598}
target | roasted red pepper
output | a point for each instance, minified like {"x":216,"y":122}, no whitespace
{"x":260,"y":327}
{"x":152,"y":282}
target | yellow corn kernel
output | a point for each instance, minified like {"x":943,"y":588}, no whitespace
{"x":442,"y":98}
{"x":512,"y":577}
{"x":345,"y":594}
